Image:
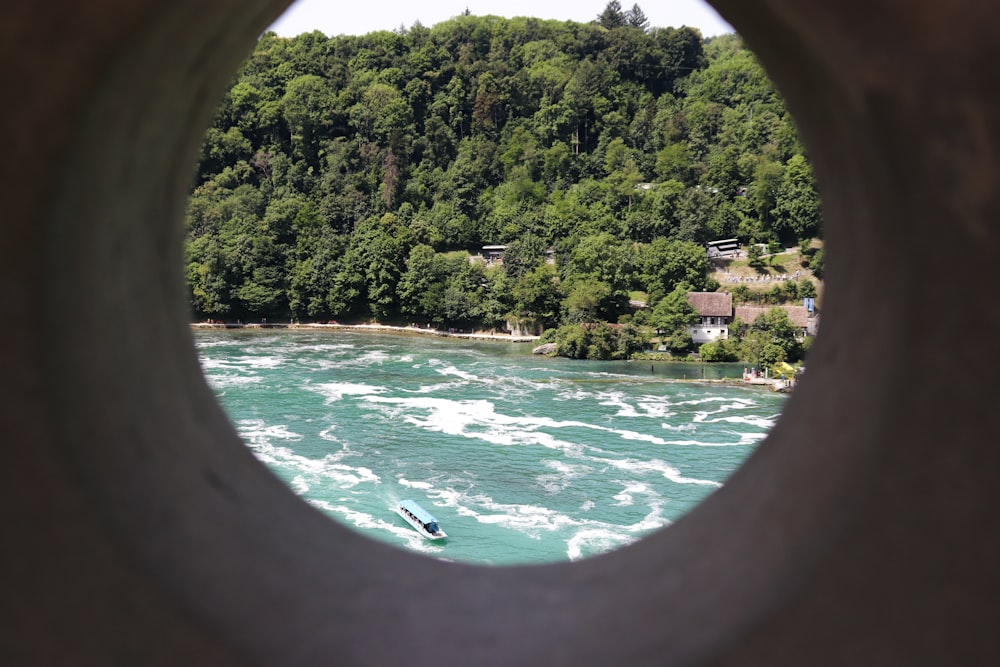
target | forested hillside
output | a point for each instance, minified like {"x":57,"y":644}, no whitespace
{"x":348,"y":178}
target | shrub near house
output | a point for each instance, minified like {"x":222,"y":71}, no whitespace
{"x":771,"y":338}
{"x":720,"y":350}
{"x":599,"y":340}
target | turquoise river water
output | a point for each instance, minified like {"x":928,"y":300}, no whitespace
{"x":522,"y":459}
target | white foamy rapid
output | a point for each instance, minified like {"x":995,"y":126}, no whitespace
{"x":305,"y":469}
{"x":335,"y":391}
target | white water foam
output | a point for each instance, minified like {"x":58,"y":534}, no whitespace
{"x":594,"y":541}
{"x":678,"y":427}
{"x":737,"y":402}
{"x":626,"y":497}
{"x":322,"y":347}
{"x":370,"y":358}
{"x":209,"y":363}
{"x":527,"y":519}
{"x":617,"y":400}
{"x":652,"y":521}
{"x":447,"y":369}
{"x":413,"y":485}
{"x":435,"y":388}
{"x":462,"y":417}
{"x":259,"y":437}
{"x":751,"y":438}
{"x":646,"y":406}
{"x":656,"y":466}
{"x":699,"y":443}
{"x":299,"y":485}
{"x":763,"y":423}
{"x":573,"y":393}
{"x":257,"y":432}
{"x":563,"y":476}
{"x":227,"y":380}
{"x":335,"y":391}
{"x":655,"y":407}
{"x":265,"y":362}
{"x":598,"y":537}
{"x":201,"y":343}
{"x":589,"y":536}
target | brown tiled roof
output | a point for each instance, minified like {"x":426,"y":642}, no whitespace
{"x":797,"y":315}
{"x":712,"y":304}
{"x":749,"y":313}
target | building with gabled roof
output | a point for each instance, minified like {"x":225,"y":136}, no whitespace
{"x":715,"y":310}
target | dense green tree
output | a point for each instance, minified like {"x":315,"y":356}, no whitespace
{"x":537,"y":296}
{"x":679,"y":342}
{"x":636,"y":18}
{"x":816,"y":263}
{"x":673,"y":314}
{"x":522,"y":255}
{"x":601,"y":257}
{"x":572,"y":341}
{"x":612,"y":16}
{"x":497,"y":302}
{"x":598,"y":341}
{"x":770,"y":339}
{"x":421,"y":287}
{"x":306,"y":107}
{"x":206,"y":275}
{"x":377,"y":254}
{"x":589,"y":300}
{"x":797,"y":208}
{"x":632,"y":340}
{"x":720,"y":350}
{"x":349,"y":177}
{"x":313,"y":278}
{"x":666,"y":264}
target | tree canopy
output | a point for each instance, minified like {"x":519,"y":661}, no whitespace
{"x":350,"y":177}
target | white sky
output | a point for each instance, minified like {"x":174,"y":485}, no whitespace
{"x":358,"y":18}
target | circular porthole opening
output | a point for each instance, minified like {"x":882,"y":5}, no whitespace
{"x":384,"y":226}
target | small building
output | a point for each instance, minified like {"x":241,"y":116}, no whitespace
{"x":724,"y":248}
{"x":715,"y":312}
{"x":493,"y":253}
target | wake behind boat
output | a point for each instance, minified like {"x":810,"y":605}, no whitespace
{"x":421,"y":520}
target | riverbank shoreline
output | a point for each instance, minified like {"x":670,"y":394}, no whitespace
{"x":763,"y":383}
{"x":368,"y":328}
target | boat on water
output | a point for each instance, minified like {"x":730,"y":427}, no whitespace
{"x":421,"y":520}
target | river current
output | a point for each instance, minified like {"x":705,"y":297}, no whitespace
{"x":523,"y":459}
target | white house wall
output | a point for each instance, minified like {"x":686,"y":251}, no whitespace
{"x":709,"y":333}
